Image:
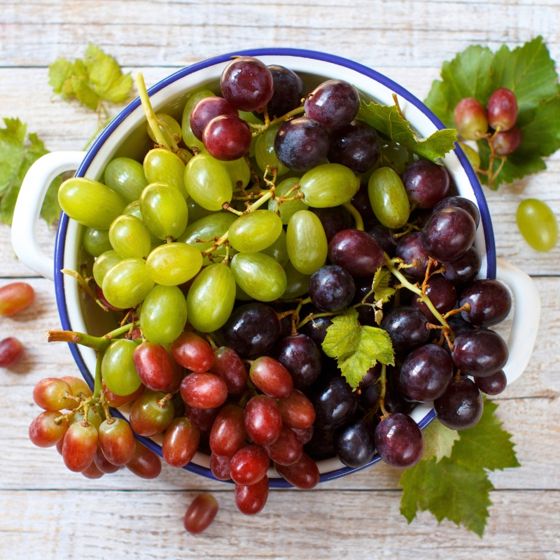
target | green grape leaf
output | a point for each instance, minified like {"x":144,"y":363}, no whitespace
{"x":438,"y":440}
{"x":388,"y":120}
{"x":356,"y":348}
{"x":381,"y":285}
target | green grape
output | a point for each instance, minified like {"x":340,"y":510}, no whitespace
{"x":395,"y":156}
{"x":329,"y":184}
{"x":172,"y":264}
{"x":117,"y":368}
{"x":388,"y":198}
{"x":290,"y":207}
{"x":259,"y":276}
{"x":472,"y":155}
{"x":239,"y":171}
{"x":89,"y":202}
{"x":537,"y":223}
{"x":265,"y":155}
{"x":93,"y":417}
{"x":163,"y":166}
{"x":164,"y":211}
{"x":130,"y":237}
{"x":168,"y":124}
{"x":249,"y":117}
{"x":211,"y":297}
{"x":96,"y":241}
{"x":163,"y":314}
{"x":133,"y":209}
{"x":208,"y":182}
{"x":195,"y":211}
{"x":297,"y":283}
{"x":306,"y":242}
{"x":241,"y":295}
{"x":253,"y":232}
{"x":127,"y":283}
{"x":191,"y":141}
{"x":126,"y":177}
{"x":278,"y":250}
{"x":202,"y":233}
{"x":102,"y":264}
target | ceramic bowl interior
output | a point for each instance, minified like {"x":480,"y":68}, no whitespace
{"x":126,"y":136}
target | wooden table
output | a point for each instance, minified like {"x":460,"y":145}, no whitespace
{"x":47,"y":512}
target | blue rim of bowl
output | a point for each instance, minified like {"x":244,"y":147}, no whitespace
{"x":302,"y":53}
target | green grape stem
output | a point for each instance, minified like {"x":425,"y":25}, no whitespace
{"x":149,"y":112}
{"x":358,"y":220}
{"x":98,"y":343}
{"x":260,"y":128}
{"x":383,"y":391}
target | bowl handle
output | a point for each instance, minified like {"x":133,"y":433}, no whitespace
{"x":28,"y":206}
{"x":526,"y":317}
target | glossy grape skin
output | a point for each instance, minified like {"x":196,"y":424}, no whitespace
{"x":425,"y":373}
{"x":145,"y":463}
{"x":46,"y":430}
{"x":388,"y":198}
{"x":127,"y":283}
{"x":249,"y":465}
{"x":211,"y":298}
{"x":89,"y":202}
{"x":502,"y":109}
{"x":252,"y":330}
{"x":207,"y":109}
{"x":356,"y":146}
{"x":460,"y":202}
{"x":251,"y":499}
{"x":369,"y":389}
{"x":328,"y":185}
{"x":306,"y":242}
{"x":228,"y":434}
{"x":202,"y":417}
{"x":464,"y":269}
{"x":130,"y":238}
{"x":50,"y":393}
{"x":116,"y":441}
{"x":208,"y":182}
{"x":356,"y":251}
{"x":163,"y":314}
{"x":173,"y":264}
{"x":479,"y":353}
{"x":355,"y":444}
{"x":200,"y":513}
{"x":227,"y":137}
{"x":156,"y":368}
{"x":78,"y":387}
{"x":331,"y":288}
{"x":334,"y":404}
{"x":263,"y":420}
{"x":493,"y":384}
{"x":151,"y":413}
{"x":287,"y":91}
{"x":255,"y":231}
{"x":230,"y":367}
{"x":449,"y":233}
{"x":301,"y":144}
{"x":79,"y":446}
{"x":96,"y":241}
{"x":333,"y":103}
{"x":11,"y":350}
{"x":103,"y":464}
{"x":507,"y":142}
{"x":441,"y":293}
{"x":301,"y":356}
{"x":287,"y":449}
{"x":203,"y":390}
{"x":15,"y":297}
{"x":460,"y":406}
{"x":426,"y":183}
{"x":180,"y":442}
{"x":117,"y":367}
{"x":398,"y":440}
{"x":192,"y":352}
{"x":279,"y":250}
{"x":219,"y":467}
{"x":301,"y":474}
{"x":406,"y":327}
{"x":297,"y":411}
{"x":265,"y":154}
{"x":126,"y":177}
{"x":247,"y":84}
{"x":103,"y":264}
{"x":164,"y":211}
{"x":271,"y":377}
{"x":167,"y":124}
{"x":190,"y":140}
{"x":116,"y":401}
{"x":538,"y":224}
{"x":489,"y":303}
{"x":412,"y":251}
{"x":470,"y":119}
{"x":163,"y":166}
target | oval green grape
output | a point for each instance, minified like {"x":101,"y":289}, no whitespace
{"x":265,"y":154}
{"x":259,"y":276}
{"x":163,"y":166}
{"x":133,"y":209}
{"x":168,"y":125}
{"x":255,"y":231}
{"x":279,"y":250}
{"x":239,"y":171}
{"x":538,"y":224}
{"x":103,"y":263}
{"x":195,"y":211}
{"x":164,"y":211}
{"x":297,"y":284}
{"x":126,"y":177}
{"x":129,"y":237}
{"x":306,"y":242}
{"x":388,"y":198}
{"x":117,"y":368}
{"x":90,"y":203}
{"x":163,"y":314}
{"x":96,"y":241}
{"x":173,"y":264}
{"x":127,"y":283}
{"x":289,"y":207}
{"x":329,"y":184}
{"x":211,"y":297}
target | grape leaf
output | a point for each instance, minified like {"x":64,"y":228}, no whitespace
{"x":381,"y":285}
{"x":389,"y":121}
{"x":438,"y":440}
{"x":356,"y":348}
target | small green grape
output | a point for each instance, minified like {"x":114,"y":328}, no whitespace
{"x":329,"y":184}
{"x":279,"y":250}
{"x":164,"y":211}
{"x":117,"y":368}
{"x":259,"y":276}
{"x":173,"y":264}
{"x":306,"y":242}
{"x":96,"y":241}
{"x":103,"y":263}
{"x":163,"y":166}
{"x":126,"y":177}
{"x":388,"y":198}
{"x":129,"y":237}
{"x":169,"y":125}
{"x":163,"y":314}
{"x":537,"y":223}
{"x":255,"y":231}
{"x":297,"y":284}
{"x":127,"y":283}
{"x":265,"y":154}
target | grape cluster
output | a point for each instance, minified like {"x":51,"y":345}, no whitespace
{"x":225,"y":256}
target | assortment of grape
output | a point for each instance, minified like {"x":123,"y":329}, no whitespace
{"x":226,"y":255}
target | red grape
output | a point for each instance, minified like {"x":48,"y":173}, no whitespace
{"x":356,"y":251}
{"x":230,"y":367}
{"x":287,"y":449}
{"x":47,"y":429}
{"x":15,"y":297}
{"x":116,"y":440}
{"x":11,"y":350}
{"x":200,"y":513}
{"x":151,"y":413}
{"x":227,"y":137}
{"x":356,"y":146}
{"x":426,"y":183}
{"x":156,"y":368}
{"x":116,"y":401}
{"x":300,"y":355}
{"x":78,"y":387}
{"x":263,"y":420}
{"x":103,"y":464}
{"x":502,"y":109}
{"x":271,"y":377}
{"x":398,"y":440}
{"x":144,"y":463}
{"x":203,"y":390}
{"x":228,"y":431}
{"x":460,"y":406}
{"x":79,"y":446}
{"x":441,"y":293}
{"x":288,"y":91}
{"x":480,"y":352}
{"x":488,"y":301}
{"x":251,"y":499}
{"x":249,"y":465}
{"x":205,"y":110}
{"x":470,"y":119}
{"x":493,"y":384}
{"x":220,"y":466}
{"x":302,"y":474}
{"x":203,"y":418}
{"x":180,"y":442}
{"x":354,"y":444}
{"x":297,"y":411}
{"x":506,"y":142}
{"x":51,"y":393}
{"x":93,"y":471}
{"x":333,"y":103}
{"x":407,"y":328}
{"x":193,"y":352}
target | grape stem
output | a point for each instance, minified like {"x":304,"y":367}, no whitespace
{"x":355,"y":214}
{"x":260,"y":128}
{"x":98,"y":343}
{"x":149,"y":112}
{"x":383,"y":391}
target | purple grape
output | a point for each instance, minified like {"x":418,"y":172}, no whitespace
{"x":316,"y":329}
{"x":411,"y":250}
{"x":441,"y":293}
{"x":333,"y":219}
{"x":333,"y":103}
{"x":369,"y":389}
{"x":407,"y":328}
{"x":398,"y":440}
{"x":464,"y":269}
{"x":460,"y":202}
{"x":480,"y":352}
{"x":331,"y":288}
{"x":426,"y":373}
{"x":247,"y":84}
{"x":460,"y":406}
{"x":426,"y":183}
{"x":449,"y":233}
{"x":335,"y":404}
{"x":301,"y":144}
{"x":288,"y":91}
{"x":493,"y":384}
{"x":458,"y":325}
{"x":227,"y":137}
{"x":301,"y":357}
{"x":207,"y":109}
{"x":489,"y":302}
{"x":384,"y":238}
{"x":356,"y":251}
{"x":355,"y":443}
{"x":356,"y":146}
